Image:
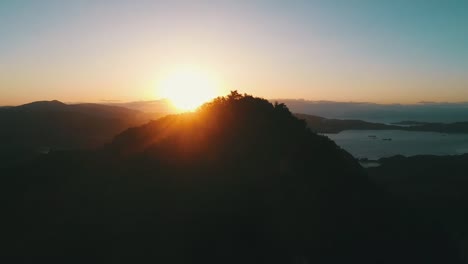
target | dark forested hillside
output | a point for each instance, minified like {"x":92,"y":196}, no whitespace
{"x":39,"y":127}
{"x":239,"y":181}
{"x":435,"y":185}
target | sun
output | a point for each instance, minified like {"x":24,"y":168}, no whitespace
{"x":188,"y":88}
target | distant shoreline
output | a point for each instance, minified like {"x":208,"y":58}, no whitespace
{"x":333,"y":126}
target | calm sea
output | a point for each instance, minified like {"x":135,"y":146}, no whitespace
{"x":371,"y":144}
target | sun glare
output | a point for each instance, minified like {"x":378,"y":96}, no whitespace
{"x":187,"y":89}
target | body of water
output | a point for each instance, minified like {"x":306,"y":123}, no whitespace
{"x":375,"y":144}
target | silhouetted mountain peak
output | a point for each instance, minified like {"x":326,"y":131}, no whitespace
{"x":43,"y":106}
{"x":234,"y":124}
{"x":242,"y":134}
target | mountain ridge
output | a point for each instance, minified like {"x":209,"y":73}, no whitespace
{"x":39,"y":127}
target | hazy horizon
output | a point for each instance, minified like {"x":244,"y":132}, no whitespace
{"x":110,"y":102}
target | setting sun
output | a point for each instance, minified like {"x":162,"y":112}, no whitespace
{"x":187,"y":89}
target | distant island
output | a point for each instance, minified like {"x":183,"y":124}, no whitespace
{"x":332,"y":126}
{"x":409,"y":123}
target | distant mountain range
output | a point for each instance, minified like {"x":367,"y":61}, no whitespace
{"x":370,"y":112}
{"x":46,"y":125}
{"x":155,"y":106}
{"x":323,"y":125}
{"x":382,"y":113}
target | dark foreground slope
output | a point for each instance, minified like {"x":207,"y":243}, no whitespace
{"x":239,"y":181}
{"x":437,"y":185}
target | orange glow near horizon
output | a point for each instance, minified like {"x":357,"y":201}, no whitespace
{"x":188,"y":88}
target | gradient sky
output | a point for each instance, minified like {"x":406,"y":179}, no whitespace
{"x":395,"y":51}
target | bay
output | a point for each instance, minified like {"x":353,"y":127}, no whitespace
{"x":375,"y":144}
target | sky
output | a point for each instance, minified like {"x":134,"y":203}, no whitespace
{"x":395,"y":51}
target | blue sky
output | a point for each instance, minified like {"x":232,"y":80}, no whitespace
{"x":375,"y":51}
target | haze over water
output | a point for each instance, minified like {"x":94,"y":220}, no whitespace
{"x":407,"y":143}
